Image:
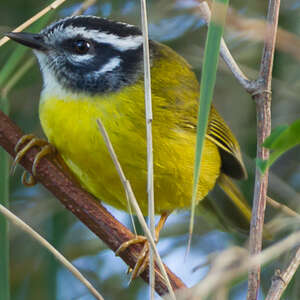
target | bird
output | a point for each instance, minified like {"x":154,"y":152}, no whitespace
{"x":92,"y":68}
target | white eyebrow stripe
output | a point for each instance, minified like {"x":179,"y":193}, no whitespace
{"x":131,"y":42}
{"x":111,"y":65}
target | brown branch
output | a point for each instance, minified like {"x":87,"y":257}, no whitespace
{"x":282,"y":279}
{"x":262,"y":98}
{"x":82,"y":204}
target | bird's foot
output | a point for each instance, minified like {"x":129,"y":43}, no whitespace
{"x":31,"y":141}
{"x":143,"y":258}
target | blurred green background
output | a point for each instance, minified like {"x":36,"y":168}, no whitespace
{"x":34,"y":273}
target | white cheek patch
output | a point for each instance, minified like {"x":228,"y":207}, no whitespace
{"x":111,"y":65}
{"x":131,"y":42}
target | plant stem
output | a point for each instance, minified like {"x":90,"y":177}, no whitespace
{"x":262,"y":98}
{"x":149,"y":117}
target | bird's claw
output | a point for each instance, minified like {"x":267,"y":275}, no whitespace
{"x":31,"y":141}
{"x":142,"y":260}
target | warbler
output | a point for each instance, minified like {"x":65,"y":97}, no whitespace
{"x":93,"y":69}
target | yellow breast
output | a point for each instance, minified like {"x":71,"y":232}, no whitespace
{"x":70,"y":125}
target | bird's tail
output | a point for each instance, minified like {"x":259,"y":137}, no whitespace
{"x":239,"y":202}
{"x":235,"y":195}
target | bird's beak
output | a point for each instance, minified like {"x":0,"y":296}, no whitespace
{"x":32,"y":40}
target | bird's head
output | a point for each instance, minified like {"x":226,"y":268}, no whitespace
{"x":87,"y":54}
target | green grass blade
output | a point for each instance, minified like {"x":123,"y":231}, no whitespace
{"x":208,"y":79}
{"x":4,"y":200}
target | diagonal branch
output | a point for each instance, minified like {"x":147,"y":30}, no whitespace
{"x":82,"y":204}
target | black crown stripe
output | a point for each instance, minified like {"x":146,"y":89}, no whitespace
{"x":96,"y":23}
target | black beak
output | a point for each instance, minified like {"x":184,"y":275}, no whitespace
{"x":32,"y":40}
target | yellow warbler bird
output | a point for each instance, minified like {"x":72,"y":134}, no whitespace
{"x":93,"y":68}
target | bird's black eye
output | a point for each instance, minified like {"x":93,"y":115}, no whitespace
{"x":82,"y":46}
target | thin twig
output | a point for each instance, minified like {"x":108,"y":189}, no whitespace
{"x":281,"y":279}
{"x":283,"y":208}
{"x":248,"y":85}
{"x":233,"y":263}
{"x":281,"y":187}
{"x":82,"y":204}
{"x":23,"y":226}
{"x":237,"y":269}
{"x":83,"y":7}
{"x":262,"y":98}
{"x":149,"y":117}
{"x":53,"y":5}
{"x":134,"y":203}
{"x":254,"y":30}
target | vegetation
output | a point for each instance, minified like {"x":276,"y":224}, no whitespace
{"x":35,"y":274}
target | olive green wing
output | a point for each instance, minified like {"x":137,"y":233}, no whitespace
{"x":232,"y":165}
{"x":220,"y":134}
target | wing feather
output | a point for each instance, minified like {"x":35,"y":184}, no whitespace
{"x":221,"y":135}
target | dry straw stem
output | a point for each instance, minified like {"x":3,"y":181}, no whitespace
{"x":53,"y":5}
{"x":235,"y":262}
{"x":23,"y":226}
{"x":282,"y":223}
{"x":281,"y":279}
{"x":82,"y":204}
{"x":133,"y":202}
{"x":84,"y":6}
{"x":283,"y":208}
{"x":148,"y":116}
{"x":262,"y":98}
{"x":282,"y":188}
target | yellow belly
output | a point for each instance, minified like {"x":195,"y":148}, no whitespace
{"x":70,"y":125}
